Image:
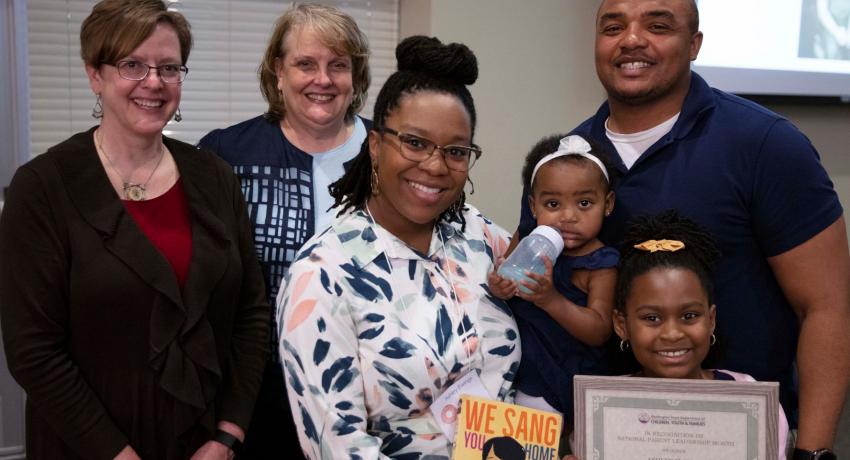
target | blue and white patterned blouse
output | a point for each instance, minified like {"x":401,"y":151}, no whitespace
{"x":367,"y":348}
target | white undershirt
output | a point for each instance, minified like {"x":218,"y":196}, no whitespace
{"x":327,"y":168}
{"x":631,"y":146}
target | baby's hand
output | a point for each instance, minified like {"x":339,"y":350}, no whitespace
{"x":502,"y":288}
{"x":540,"y":290}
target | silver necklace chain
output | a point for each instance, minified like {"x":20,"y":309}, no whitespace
{"x":132,"y":192}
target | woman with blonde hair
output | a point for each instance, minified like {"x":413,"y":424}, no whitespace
{"x":314,"y":76}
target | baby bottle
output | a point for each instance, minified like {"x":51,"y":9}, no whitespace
{"x":528,"y":255}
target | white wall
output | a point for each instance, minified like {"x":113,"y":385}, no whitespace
{"x":13,"y":83}
{"x":11,"y":133}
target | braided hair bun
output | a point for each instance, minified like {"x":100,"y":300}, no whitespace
{"x":428,"y":55}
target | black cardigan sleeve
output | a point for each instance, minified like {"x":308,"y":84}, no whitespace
{"x":34,"y":267}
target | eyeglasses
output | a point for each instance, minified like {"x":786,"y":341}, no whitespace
{"x":137,"y":71}
{"x":419,"y":149}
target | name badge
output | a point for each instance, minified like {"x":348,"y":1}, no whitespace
{"x":445,"y":407}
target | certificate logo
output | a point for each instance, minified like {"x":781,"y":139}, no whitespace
{"x":643,"y":417}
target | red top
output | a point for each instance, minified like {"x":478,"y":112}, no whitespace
{"x":165,"y":221}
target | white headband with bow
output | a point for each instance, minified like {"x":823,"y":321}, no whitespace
{"x":571,"y":145}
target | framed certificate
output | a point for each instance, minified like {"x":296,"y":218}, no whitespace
{"x":638,"y":418}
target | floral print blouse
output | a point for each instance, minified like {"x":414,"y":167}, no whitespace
{"x":372,"y":331}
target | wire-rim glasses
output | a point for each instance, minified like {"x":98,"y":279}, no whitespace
{"x":129,"y":69}
{"x":419,"y":149}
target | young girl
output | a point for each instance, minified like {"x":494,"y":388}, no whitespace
{"x":565,"y":318}
{"x":664,"y":310}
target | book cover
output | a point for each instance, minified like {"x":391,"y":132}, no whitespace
{"x":510,"y":432}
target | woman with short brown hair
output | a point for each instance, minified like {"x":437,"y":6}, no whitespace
{"x":132,"y":304}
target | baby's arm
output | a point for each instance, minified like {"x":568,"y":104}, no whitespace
{"x":502,"y":288}
{"x":592,"y":324}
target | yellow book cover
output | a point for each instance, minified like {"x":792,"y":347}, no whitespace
{"x":488,"y":429}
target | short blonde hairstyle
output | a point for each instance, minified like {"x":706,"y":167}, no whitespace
{"x":116,"y":27}
{"x":337,"y":31}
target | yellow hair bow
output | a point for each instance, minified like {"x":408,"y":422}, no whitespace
{"x":660,"y":245}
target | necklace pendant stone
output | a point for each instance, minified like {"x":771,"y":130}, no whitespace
{"x":134,"y":192}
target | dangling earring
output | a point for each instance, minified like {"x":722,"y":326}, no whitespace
{"x":376,"y":189}
{"x":178,"y":117}
{"x":97,"y":110}
{"x":468,"y":179}
{"x":624,"y":345}
{"x":713,"y":340}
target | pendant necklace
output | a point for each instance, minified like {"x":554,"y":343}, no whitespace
{"x":132,"y":192}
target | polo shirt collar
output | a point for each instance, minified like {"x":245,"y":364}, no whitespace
{"x":699,"y":101}
{"x":364,"y":241}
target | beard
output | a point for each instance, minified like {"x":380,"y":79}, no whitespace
{"x":648,"y":94}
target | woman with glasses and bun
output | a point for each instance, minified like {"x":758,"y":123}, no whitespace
{"x":132,"y":304}
{"x":387,"y":309}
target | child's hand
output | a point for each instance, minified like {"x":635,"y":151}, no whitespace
{"x":502,"y":288}
{"x":542,"y":291}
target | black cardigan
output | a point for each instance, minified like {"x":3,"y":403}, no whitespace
{"x":96,"y":329}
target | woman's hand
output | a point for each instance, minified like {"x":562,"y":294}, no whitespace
{"x":541,"y":291}
{"x":502,"y":288}
{"x":213,"y":450}
{"x":127,"y":453}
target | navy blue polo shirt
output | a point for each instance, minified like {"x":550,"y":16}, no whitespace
{"x":756,"y":182}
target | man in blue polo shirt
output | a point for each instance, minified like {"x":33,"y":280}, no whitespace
{"x":751,"y":178}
